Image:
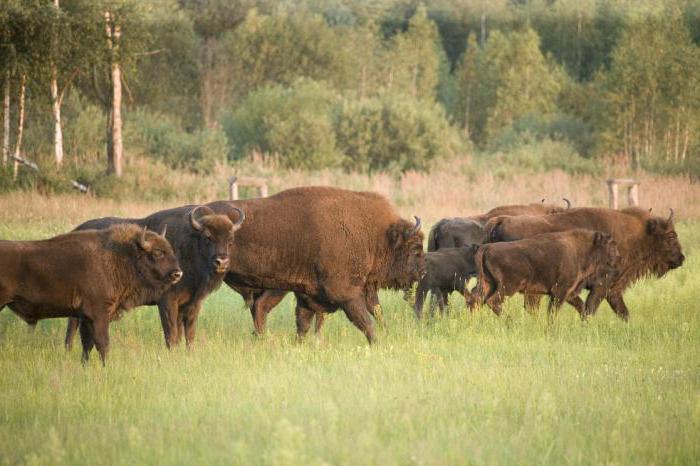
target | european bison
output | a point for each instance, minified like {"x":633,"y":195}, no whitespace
{"x":556,"y":264}
{"x":648,"y":244}
{"x":90,"y":275}
{"x":522,"y":209}
{"x":202,"y":241}
{"x":446,"y":270}
{"x":332,"y":247}
{"x":454,"y":233}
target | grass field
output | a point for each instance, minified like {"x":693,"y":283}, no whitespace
{"x":460,"y":389}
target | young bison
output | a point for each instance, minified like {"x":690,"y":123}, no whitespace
{"x":446,"y":270}
{"x":92,"y":275}
{"x":559,"y":265}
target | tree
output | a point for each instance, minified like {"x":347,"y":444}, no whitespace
{"x":467,"y":80}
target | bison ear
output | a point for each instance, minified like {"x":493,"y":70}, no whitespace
{"x":654,"y":227}
{"x":600,"y":238}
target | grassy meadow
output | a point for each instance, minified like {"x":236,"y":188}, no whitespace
{"x":459,"y":389}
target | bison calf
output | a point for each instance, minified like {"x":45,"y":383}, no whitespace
{"x":559,"y":265}
{"x":446,"y":270}
{"x":93,"y":275}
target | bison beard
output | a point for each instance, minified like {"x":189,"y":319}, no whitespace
{"x":111,"y":271}
{"x":648,"y":244}
{"x":333,"y":248}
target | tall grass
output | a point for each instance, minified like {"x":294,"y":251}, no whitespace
{"x":460,"y":389}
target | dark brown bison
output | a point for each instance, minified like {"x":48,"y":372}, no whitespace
{"x":454,"y":233}
{"x":648,"y":244}
{"x":446,"y":270}
{"x":559,"y":265}
{"x":90,"y":275}
{"x":202,"y":241}
{"x":537,"y":208}
{"x":332,"y":247}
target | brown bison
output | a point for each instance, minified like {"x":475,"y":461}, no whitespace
{"x":559,"y":265}
{"x":648,"y":244}
{"x":332,"y":247}
{"x":455,"y":233}
{"x":90,"y":275}
{"x":536,"y":208}
{"x":202,"y":241}
{"x":446,"y":270}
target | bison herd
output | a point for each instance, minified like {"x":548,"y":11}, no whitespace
{"x":334,"y":249}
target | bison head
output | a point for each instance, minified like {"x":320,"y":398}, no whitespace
{"x":215,"y":236}
{"x":406,"y":245}
{"x":667,"y":252}
{"x":158,"y":264}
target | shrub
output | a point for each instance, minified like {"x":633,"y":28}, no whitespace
{"x":161,"y":137}
{"x":292,"y":123}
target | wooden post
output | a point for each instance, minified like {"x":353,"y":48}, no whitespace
{"x":235,"y":181}
{"x":232,"y":189}
{"x":633,"y":195}
{"x":613,"y":193}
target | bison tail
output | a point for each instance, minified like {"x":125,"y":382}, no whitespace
{"x":433,"y":237}
{"x":477,"y":296}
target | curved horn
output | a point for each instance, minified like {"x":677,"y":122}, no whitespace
{"x":241,"y":217}
{"x":568,"y":203}
{"x":142,"y":239}
{"x":670,"y":216}
{"x":165,"y":228}
{"x":193,"y":221}
{"x":417,"y":226}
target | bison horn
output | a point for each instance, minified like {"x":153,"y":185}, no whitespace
{"x":145,"y":245}
{"x":670,"y":216}
{"x":241,"y":217}
{"x":193,"y":221}
{"x":165,"y":228}
{"x":417,"y":226}
{"x":568,"y":202}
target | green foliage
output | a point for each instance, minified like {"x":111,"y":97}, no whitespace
{"x":294,"y":124}
{"x":160,"y":137}
{"x":393,"y":132}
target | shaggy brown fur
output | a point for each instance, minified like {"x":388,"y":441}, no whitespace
{"x":91,"y":275}
{"x":648,"y":244}
{"x":202,"y":242}
{"x":332,"y":247}
{"x":537,"y":208}
{"x":555,"y":264}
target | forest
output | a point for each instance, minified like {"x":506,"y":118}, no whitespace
{"x":97,"y":91}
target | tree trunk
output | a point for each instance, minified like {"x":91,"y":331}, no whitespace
{"x":6,"y":121}
{"x":56,"y":106}
{"x":206,"y":83}
{"x":115,"y":149}
{"x":20,"y":123}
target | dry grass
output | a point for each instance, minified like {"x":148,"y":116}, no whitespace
{"x":453,"y":190}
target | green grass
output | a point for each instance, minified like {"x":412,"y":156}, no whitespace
{"x":461,"y":389}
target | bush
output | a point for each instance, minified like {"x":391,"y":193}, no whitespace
{"x":393,"y":132}
{"x":540,"y":156}
{"x":292,"y":123}
{"x":161,"y":137}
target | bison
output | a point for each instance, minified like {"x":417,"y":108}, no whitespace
{"x":648,"y":244}
{"x":454,"y":233}
{"x":556,"y":264}
{"x":90,"y":275}
{"x":202,"y":241}
{"x":332,"y":247}
{"x":446,"y":270}
{"x":522,"y":209}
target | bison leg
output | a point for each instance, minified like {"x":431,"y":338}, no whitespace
{"x":189,"y":322}
{"x":304,"y":316}
{"x":495,"y":302}
{"x":100,"y":327}
{"x":320,"y":319}
{"x":262,"y":306}
{"x":86,"y":338}
{"x":421,"y":293}
{"x":618,"y":305}
{"x":168,"y":309}
{"x":595,"y":297}
{"x":356,"y":311}
{"x":71,"y":330}
{"x":577,"y":302}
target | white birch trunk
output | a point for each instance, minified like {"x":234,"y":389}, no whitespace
{"x":20,"y":123}
{"x":6,"y":121}
{"x":115,"y":151}
{"x":56,"y":107}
